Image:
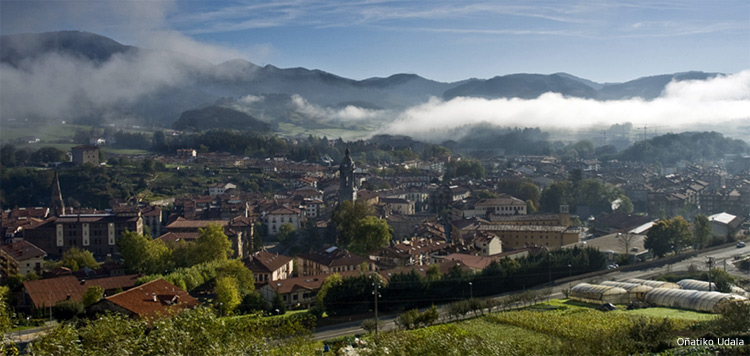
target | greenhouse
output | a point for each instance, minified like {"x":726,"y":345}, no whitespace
{"x":695,"y":284}
{"x":653,"y":284}
{"x":688,"y":299}
{"x":598,"y":294}
{"x":635,"y":290}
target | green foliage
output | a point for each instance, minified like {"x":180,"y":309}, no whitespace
{"x":464,"y":168}
{"x":688,"y":146}
{"x":193,"y":332}
{"x":143,"y":254}
{"x":701,"y":231}
{"x":6,"y":315}
{"x":212,"y":245}
{"x":48,"y":154}
{"x":254,"y":302}
{"x":237,"y":270}
{"x":720,"y":278}
{"x":347,"y":216}
{"x":92,"y":295}
{"x":67,"y":309}
{"x":735,"y":317}
{"x":76,"y":259}
{"x":190,"y":278}
{"x":227,"y":295}
{"x":286,"y":233}
{"x":371,"y":233}
{"x":277,"y":305}
{"x":669,"y":235}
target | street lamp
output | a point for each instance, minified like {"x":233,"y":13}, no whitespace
{"x":471,"y":290}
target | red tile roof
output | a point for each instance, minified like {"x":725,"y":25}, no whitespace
{"x":153,"y":298}
{"x":47,"y":292}
{"x":266,"y":262}
{"x":23,"y":250}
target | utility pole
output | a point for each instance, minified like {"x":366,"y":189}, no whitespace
{"x":710,"y":266}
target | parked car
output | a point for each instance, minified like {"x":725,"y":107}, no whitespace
{"x":740,"y":244}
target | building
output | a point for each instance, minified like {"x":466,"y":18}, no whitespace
{"x":398,"y":206}
{"x":238,"y":231}
{"x":505,"y":205}
{"x":149,"y":301}
{"x":97,"y":233}
{"x":22,"y":258}
{"x":331,"y":260}
{"x":347,"y":184}
{"x":520,"y":236}
{"x":45,"y":293}
{"x":220,"y":188}
{"x":280,"y":216}
{"x":85,"y":154}
{"x":724,"y":224}
{"x":269,"y":267}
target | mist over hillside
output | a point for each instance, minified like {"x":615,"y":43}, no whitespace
{"x":86,"y":78}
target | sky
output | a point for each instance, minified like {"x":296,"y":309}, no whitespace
{"x":604,"y":41}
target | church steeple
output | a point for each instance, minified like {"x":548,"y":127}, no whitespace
{"x":57,"y":206}
{"x":347,"y":187}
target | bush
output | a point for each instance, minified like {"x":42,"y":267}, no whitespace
{"x":67,"y":309}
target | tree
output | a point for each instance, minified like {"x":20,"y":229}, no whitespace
{"x":93,"y":295}
{"x":277,"y":306}
{"x":626,"y":240}
{"x":67,"y":309}
{"x":286,"y":233}
{"x":76,"y":259}
{"x":227,"y":294}
{"x":48,"y":154}
{"x":701,"y":231}
{"x":211,"y":245}
{"x":244,"y":276}
{"x":372,"y":233}
{"x":668,"y":235}
{"x":254,"y":302}
{"x":346,"y":217}
{"x":144,"y":255}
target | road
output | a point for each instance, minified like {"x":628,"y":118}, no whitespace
{"x":699,"y":261}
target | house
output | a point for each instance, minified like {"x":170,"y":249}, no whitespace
{"x":331,"y":260}
{"x":45,"y":293}
{"x":268,"y":267}
{"x":236,"y":231}
{"x":149,"y":301}
{"x":413,"y":252}
{"x":313,"y":208}
{"x":22,"y":258}
{"x":220,"y":188}
{"x":85,"y":154}
{"x":724,"y":224}
{"x":298,"y":292}
{"x":398,"y":206}
{"x":280,"y":216}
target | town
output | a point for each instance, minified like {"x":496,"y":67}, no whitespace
{"x":253,"y":235}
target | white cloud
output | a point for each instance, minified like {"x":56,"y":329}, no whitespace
{"x":347,"y":114}
{"x":716,"y":100}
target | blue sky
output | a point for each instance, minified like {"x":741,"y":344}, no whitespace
{"x":605,"y":41}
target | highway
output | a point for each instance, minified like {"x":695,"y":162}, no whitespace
{"x":699,"y":261}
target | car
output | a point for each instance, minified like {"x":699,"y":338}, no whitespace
{"x":740,"y":244}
